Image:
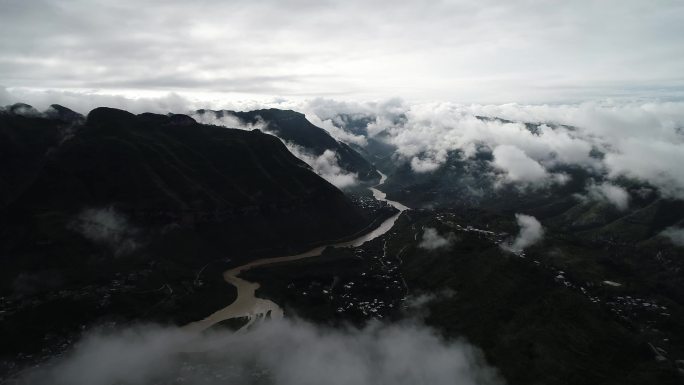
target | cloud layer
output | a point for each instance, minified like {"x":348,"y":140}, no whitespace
{"x":472,"y":51}
{"x":528,"y":143}
{"x":531,"y":143}
{"x":608,"y":192}
{"x":282,"y":352}
{"x":531,"y":232}
{"x":326,"y":164}
{"x":432,"y":240}
{"x":675,"y":234}
{"x":108,"y":227}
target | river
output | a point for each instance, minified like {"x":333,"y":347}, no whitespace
{"x":248,"y":305}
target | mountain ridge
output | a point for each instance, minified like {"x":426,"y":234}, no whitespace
{"x":293,"y":127}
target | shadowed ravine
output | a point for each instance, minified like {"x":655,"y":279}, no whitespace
{"x":248,"y":305}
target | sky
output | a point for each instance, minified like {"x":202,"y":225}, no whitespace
{"x":460,"y":51}
{"x":423,"y":72}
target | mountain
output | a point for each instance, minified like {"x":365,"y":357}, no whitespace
{"x":115,"y":216}
{"x":158,"y":169}
{"x":26,"y":136}
{"x":293,"y":127}
{"x":548,"y":313}
{"x":55,"y":111}
{"x":545,"y":314}
{"x":473,"y":183}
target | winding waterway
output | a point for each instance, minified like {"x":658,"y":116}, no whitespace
{"x":248,"y":305}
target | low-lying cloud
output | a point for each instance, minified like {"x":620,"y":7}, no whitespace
{"x":326,"y":165}
{"x":84,"y":101}
{"x":432,"y":240}
{"x":522,"y":170}
{"x":420,"y":301}
{"x":334,"y":128}
{"x":423,"y":165}
{"x":108,"y":227}
{"x":281,"y":352}
{"x":638,"y":140}
{"x":675,"y":234}
{"x":531,"y":232}
{"x":643,"y":141}
{"x":610,"y":193}
{"x":230,"y":121}
{"x":517,"y":165}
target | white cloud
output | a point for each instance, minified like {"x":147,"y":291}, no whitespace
{"x":108,"y":227}
{"x":531,"y":232}
{"x":675,"y":234}
{"x":610,"y":139}
{"x":658,"y":162}
{"x":85,"y":101}
{"x":625,"y":133}
{"x":424,"y":165}
{"x":451,"y":50}
{"x":335,"y":131}
{"x":417,"y":305}
{"x":281,"y":352}
{"x":230,"y":121}
{"x":611,"y":193}
{"x":325,"y":165}
{"x":433,"y":241}
{"x":518,"y":166}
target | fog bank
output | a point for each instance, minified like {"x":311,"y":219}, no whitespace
{"x":283,"y":352}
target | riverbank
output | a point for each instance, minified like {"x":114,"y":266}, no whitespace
{"x":248,"y":305}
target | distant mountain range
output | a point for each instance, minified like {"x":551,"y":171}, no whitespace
{"x":472,"y":182}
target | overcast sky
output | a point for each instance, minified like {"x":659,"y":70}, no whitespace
{"x":462,"y":51}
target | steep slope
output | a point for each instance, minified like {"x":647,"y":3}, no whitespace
{"x":157,"y":170}
{"x":531,"y":322}
{"x":293,"y":127}
{"x":121,"y":216}
{"x":26,"y":136}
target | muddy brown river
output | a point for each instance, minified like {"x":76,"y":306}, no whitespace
{"x":248,"y":305}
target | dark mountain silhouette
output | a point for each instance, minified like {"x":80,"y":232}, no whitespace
{"x":119,"y":217}
{"x":55,"y":111}
{"x":26,"y":137}
{"x":293,"y":127}
{"x":98,"y":213}
{"x":159,"y":169}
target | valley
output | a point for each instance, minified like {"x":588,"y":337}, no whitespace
{"x":225,"y":230}
{"x":451,"y":192}
{"x":247,"y":305}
